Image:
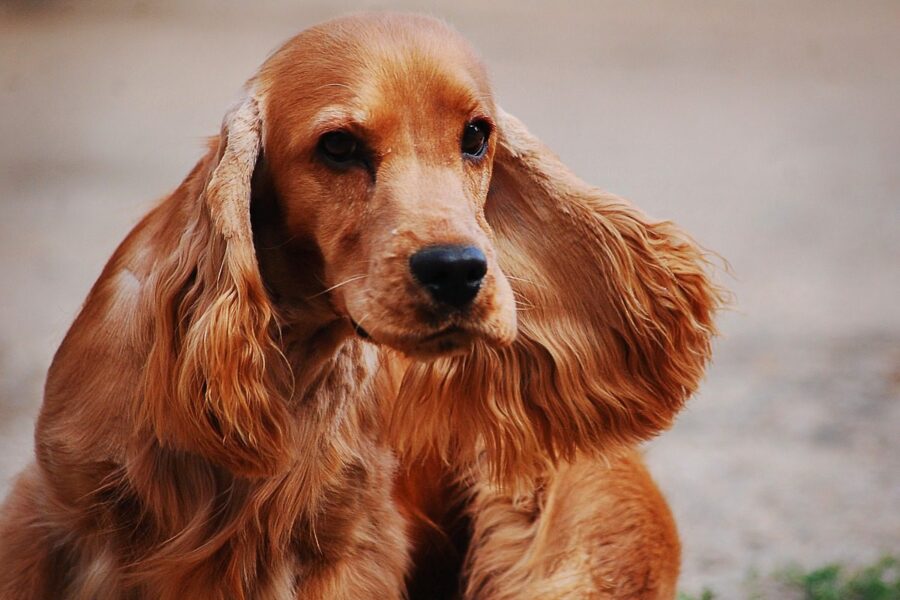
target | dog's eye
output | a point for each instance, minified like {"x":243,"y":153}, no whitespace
{"x":339,"y":147}
{"x":474,"y":138}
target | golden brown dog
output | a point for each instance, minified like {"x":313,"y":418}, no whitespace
{"x":379,"y":343}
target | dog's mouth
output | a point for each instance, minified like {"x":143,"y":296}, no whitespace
{"x":423,"y":331}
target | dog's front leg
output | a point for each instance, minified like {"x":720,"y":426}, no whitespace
{"x":590,"y":529}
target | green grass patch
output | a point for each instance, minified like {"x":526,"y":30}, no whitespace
{"x":878,"y":581}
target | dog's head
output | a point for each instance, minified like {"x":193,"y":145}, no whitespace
{"x":368,"y":180}
{"x":379,"y":138}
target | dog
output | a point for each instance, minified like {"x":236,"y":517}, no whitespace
{"x":379,"y":343}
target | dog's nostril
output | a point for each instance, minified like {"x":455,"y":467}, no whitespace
{"x":477,"y":270}
{"x":451,"y":274}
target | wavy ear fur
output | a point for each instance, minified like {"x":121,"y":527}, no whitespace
{"x":215,"y":378}
{"x":615,"y":318}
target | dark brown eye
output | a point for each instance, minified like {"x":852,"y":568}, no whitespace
{"x":474,"y":139}
{"x":339,"y":147}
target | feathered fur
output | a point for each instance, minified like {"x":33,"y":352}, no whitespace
{"x":259,"y":401}
{"x":615,"y":321}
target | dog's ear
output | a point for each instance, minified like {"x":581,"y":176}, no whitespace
{"x":215,"y":378}
{"x":615,"y":319}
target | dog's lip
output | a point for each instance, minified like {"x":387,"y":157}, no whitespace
{"x":360,"y":331}
{"x":449,"y":330}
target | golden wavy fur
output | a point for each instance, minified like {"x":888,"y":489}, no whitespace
{"x":263,"y":398}
{"x":614,"y":326}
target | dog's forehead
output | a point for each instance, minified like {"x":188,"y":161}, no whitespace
{"x":383,"y":52}
{"x":373,"y":68}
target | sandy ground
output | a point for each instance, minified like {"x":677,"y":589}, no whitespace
{"x":769,"y":129}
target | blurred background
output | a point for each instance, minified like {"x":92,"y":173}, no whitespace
{"x":769,"y":129}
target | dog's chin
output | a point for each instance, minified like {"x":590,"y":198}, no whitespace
{"x":450,"y":341}
{"x":454,"y":340}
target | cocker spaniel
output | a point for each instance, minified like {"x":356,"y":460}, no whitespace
{"x":380,"y":343}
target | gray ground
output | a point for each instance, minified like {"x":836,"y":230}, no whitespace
{"x":769,"y":129}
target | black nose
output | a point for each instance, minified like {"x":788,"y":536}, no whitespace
{"x":451,"y":274}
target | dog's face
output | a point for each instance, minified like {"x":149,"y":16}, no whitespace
{"x":380,"y":146}
{"x":383,"y":161}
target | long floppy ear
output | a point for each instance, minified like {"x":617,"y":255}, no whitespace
{"x":615,"y":318}
{"x":215,"y":378}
